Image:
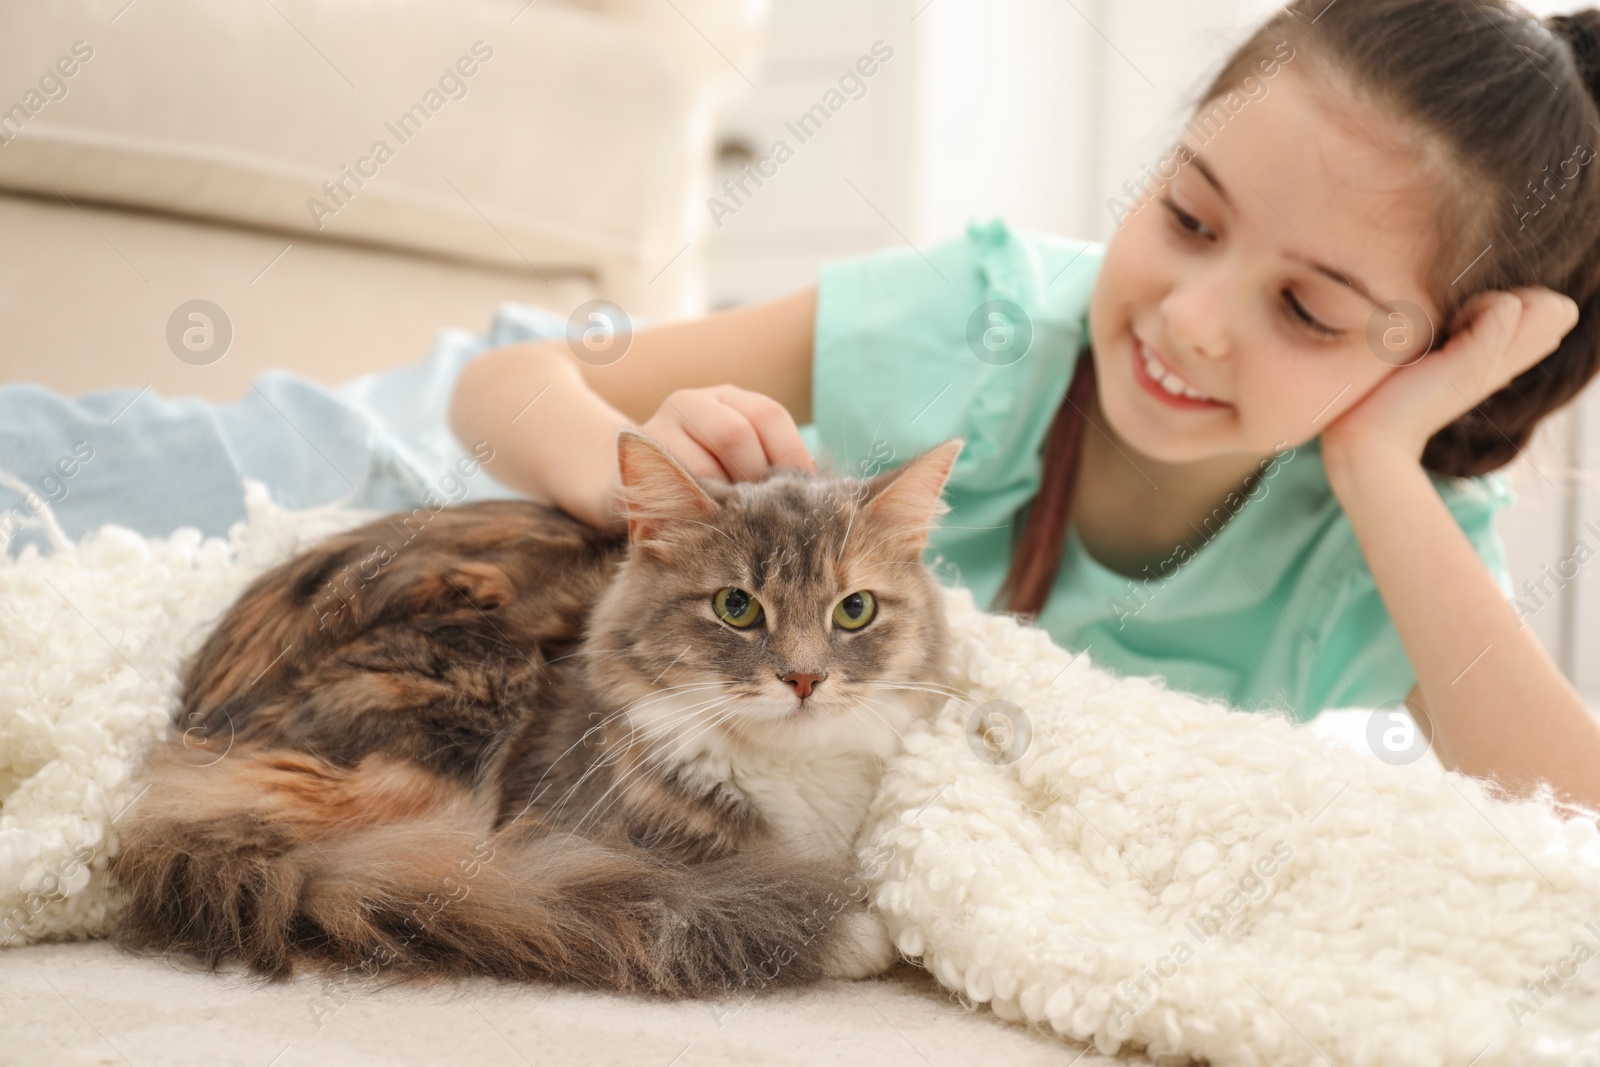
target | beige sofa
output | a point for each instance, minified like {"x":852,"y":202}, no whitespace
{"x":157,"y":153}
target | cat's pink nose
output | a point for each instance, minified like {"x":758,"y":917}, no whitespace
{"x":802,"y":683}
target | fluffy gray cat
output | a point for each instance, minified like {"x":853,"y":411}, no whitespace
{"x":494,"y":740}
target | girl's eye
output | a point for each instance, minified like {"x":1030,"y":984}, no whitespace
{"x":736,"y":607}
{"x":855,"y":610}
{"x":1187,"y":221}
{"x":1194,"y":226}
{"x":1307,"y":319}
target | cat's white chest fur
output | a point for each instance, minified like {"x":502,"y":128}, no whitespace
{"x":825,"y":797}
{"x":806,"y":796}
{"x":815,"y":799}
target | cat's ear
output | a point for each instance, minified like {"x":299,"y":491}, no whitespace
{"x":908,"y":501}
{"x":657,"y":490}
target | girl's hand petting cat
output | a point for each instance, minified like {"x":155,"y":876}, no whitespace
{"x":721,"y":432}
{"x":728,"y":433}
{"x":1507,"y":332}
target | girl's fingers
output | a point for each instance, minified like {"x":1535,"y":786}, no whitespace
{"x":1509,"y":331}
{"x":1548,"y":316}
{"x":1503,"y":339}
{"x":1530,"y":323}
{"x":774,"y":426}
{"x":1493,"y":319}
{"x":722,"y":431}
{"x":696,"y":459}
{"x":729,"y":434}
{"x":1480,"y":355}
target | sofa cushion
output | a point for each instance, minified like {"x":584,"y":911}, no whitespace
{"x":89,"y":297}
{"x":523,"y":136}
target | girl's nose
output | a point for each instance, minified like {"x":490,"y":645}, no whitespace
{"x":1198,"y":310}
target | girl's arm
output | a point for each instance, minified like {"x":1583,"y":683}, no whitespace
{"x":1499,"y":707}
{"x":726,"y":391}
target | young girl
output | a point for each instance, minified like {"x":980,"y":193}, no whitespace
{"x":1243,"y":444}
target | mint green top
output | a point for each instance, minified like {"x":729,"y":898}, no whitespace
{"x":1276,"y":609}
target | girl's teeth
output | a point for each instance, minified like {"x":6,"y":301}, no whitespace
{"x":1170,"y":382}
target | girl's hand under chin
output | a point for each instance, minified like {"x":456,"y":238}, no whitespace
{"x":1507,"y":332}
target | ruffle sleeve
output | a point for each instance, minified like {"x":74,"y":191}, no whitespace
{"x":973,"y":338}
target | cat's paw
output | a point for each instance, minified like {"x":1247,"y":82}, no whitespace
{"x":860,"y":946}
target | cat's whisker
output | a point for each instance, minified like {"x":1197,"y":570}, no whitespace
{"x":860,"y":703}
{"x":940,"y":687}
{"x":613,"y":716}
{"x":659,"y":754}
{"x":654,"y":760}
{"x":654,"y":696}
{"x":914,"y":681}
{"x":682,"y":714}
{"x":658,"y":695}
{"x":898,"y":532}
{"x":919,"y":681}
{"x":661,"y":693}
{"x":869,"y":567}
{"x":587,"y":652}
{"x":960,"y":698}
{"x":713,"y":529}
{"x":864,"y":702}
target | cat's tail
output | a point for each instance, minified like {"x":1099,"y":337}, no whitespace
{"x":387,"y":871}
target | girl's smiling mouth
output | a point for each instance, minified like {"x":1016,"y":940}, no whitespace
{"x":1164,"y":383}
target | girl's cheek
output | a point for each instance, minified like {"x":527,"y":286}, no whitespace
{"x":1277,"y":404}
{"x":1323,"y":396}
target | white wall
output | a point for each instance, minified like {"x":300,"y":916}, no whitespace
{"x":1006,"y":123}
{"x":847,"y":188}
{"x":1040,"y":110}
{"x":1558,"y":511}
{"x":1034,"y":111}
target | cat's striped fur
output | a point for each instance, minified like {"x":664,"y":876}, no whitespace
{"x":512,"y":745}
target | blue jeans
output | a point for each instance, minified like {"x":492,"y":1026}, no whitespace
{"x":154,"y":464}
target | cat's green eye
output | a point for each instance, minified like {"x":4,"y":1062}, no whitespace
{"x":736,"y":607}
{"x":855,"y":610}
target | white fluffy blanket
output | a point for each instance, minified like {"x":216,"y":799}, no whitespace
{"x":1128,"y":864}
{"x":1095,"y":854}
{"x":92,"y":638}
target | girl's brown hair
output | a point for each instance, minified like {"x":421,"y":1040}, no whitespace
{"x":1501,"y":107}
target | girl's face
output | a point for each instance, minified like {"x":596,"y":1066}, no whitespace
{"x":1253,"y":276}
